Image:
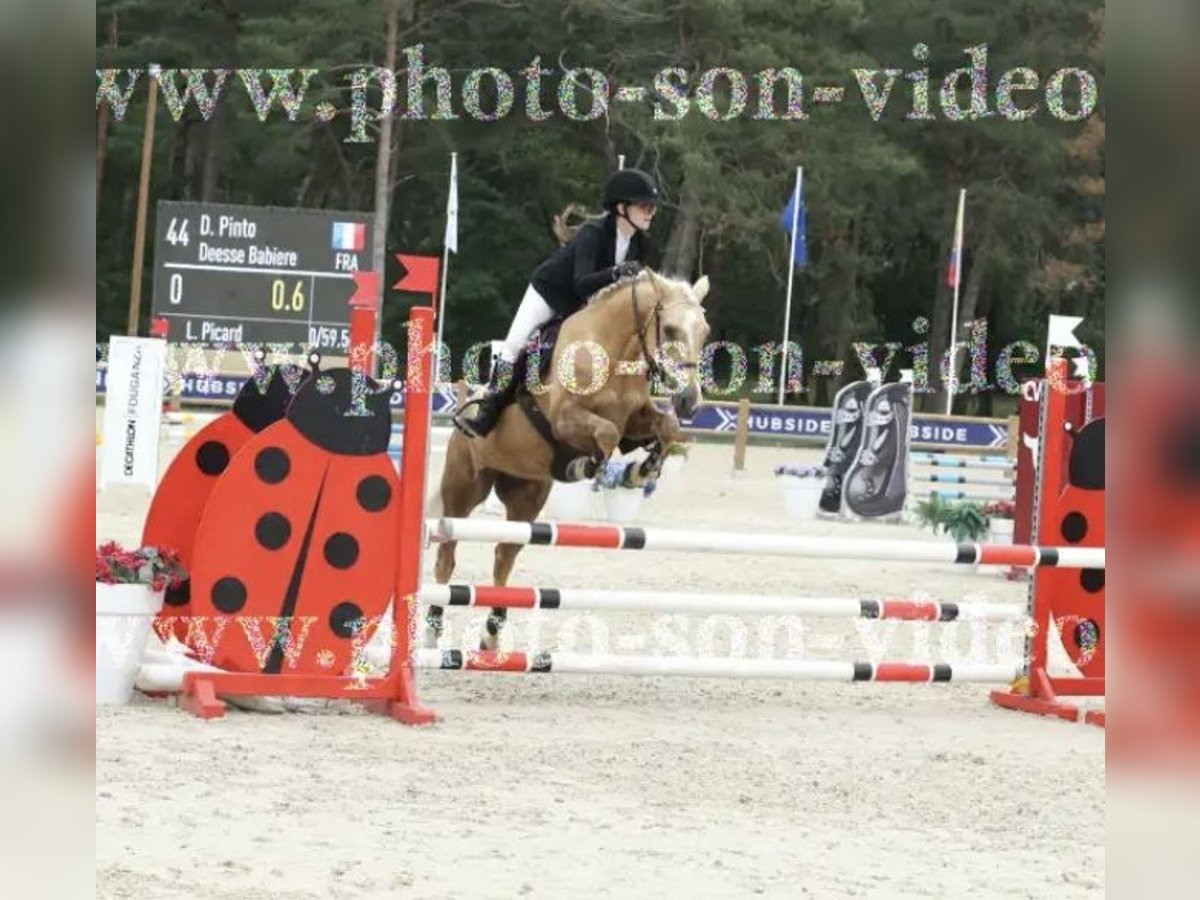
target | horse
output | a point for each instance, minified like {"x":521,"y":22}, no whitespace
{"x":640,"y":330}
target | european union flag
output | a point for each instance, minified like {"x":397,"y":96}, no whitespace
{"x":785,"y":219}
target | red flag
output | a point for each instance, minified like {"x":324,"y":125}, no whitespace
{"x":366,"y":290}
{"x":420,"y":274}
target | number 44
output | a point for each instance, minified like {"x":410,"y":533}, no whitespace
{"x":177,"y":233}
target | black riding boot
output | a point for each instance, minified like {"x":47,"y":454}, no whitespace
{"x":497,"y":394}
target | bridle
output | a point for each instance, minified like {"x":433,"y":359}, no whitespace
{"x":652,"y":365}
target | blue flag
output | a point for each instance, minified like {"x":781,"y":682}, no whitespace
{"x":785,"y":219}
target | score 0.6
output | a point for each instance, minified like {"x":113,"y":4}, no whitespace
{"x":280,"y":302}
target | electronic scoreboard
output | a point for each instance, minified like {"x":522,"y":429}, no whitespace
{"x":227,"y":275}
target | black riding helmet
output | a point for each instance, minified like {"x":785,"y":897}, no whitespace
{"x":630,"y":186}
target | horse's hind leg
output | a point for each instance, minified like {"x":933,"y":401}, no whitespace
{"x":463,"y":488}
{"x":523,"y":500}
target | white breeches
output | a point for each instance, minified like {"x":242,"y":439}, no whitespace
{"x":532,"y":312}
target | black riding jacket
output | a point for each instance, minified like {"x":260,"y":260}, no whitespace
{"x":584,"y":264}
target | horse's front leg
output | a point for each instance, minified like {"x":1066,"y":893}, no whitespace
{"x":594,"y":436}
{"x":650,"y":423}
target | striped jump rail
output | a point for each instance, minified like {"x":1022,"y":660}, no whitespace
{"x":620,"y":537}
{"x":732,"y":604}
{"x":545,"y":663}
{"x":946,"y":478}
{"x":964,"y":463}
{"x":943,"y":454}
{"x":918,"y":494}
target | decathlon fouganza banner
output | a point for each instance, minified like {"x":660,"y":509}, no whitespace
{"x":133,"y":411}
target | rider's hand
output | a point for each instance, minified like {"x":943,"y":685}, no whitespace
{"x":626,"y":269}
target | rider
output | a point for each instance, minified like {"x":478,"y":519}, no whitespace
{"x":603,"y":250}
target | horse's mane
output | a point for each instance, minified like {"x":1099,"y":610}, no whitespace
{"x":607,"y":293}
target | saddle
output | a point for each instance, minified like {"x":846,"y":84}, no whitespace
{"x":569,"y":462}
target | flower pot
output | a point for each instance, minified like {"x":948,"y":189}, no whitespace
{"x":622,"y":504}
{"x":1000,"y":531}
{"x":801,"y":497}
{"x":124,"y":616}
{"x":570,"y":501}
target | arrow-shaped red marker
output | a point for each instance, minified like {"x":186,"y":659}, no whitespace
{"x":420,"y":274}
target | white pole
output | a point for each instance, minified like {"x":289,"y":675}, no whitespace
{"x":571,"y":599}
{"x":441,"y":314}
{"x":441,"y":322}
{"x":787,"y":309}
{"x":621,"y":161}
{"x":952,"y":382}
{"x":496,"y":531}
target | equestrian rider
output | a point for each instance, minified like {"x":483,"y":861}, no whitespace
{"x":603,"y":250}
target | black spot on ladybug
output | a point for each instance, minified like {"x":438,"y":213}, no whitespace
{"x":179,"y":594}
{"x":229,"y":594}
{"x":1091,"y":580}
{"x":272,"y":465}
{"x":272,"y":530}
{"x":374,"y":493}
{"x":212,"y":457}
{"x":1074,"y":527}
{"x":346,"y":619}
{"x":341,"y":550}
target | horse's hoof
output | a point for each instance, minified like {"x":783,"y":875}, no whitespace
{"x":581,"y":468}
{"x":430,"y":639}
{"x":490,"y":642}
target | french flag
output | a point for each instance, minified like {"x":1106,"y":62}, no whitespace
{"x":349,"y":236}
{"x":954,"y":269}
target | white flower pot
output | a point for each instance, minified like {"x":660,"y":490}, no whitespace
{"x":570,"y":501}
{"x":1000,"y":531}
{"x":801,"y":496}
{"x":622,"y":504}
{"x":124,"y":618}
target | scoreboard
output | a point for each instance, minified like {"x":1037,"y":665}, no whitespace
{"x":226,"y":274}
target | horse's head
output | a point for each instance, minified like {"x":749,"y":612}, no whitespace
{"x":682,"y":331}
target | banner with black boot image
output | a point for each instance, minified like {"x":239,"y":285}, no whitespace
{"x":876,"y":485}
{"x":844,"y":439}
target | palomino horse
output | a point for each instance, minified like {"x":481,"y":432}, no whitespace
{"x":599,"y":396}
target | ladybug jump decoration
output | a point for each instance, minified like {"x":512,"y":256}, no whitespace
{"x":290,"y":511}
{"x":1067,"y":604}
{"x":184,"y":490}
{"x":295,"y":560}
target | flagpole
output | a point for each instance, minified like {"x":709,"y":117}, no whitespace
{"x":787,"y":309}
{"x":451,"y":211}
{"x":952,"y":382}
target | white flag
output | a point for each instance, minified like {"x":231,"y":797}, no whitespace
{"x":1061,"y":332}
{"x":451,"y":241}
